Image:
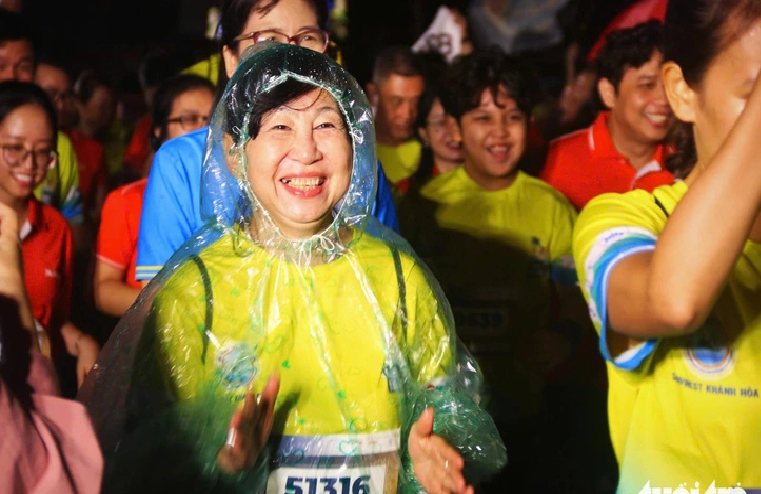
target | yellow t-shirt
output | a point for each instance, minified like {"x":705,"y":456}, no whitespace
{"x":327,"y":331}
{"x":61,"y":186}
{"x":495,"y":252}
{"x":208,"y":68}
{"x":399,"y":162}
{"x":682,"y":409}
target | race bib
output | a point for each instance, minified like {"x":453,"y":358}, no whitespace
{"x":336,"y":464}
{"x":327,"y":481}
{"x":483,"y":319}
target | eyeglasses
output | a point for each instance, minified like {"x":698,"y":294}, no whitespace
{"x":16,"y":154}
{"x":190,"y":122}
{"x":314,"y":39}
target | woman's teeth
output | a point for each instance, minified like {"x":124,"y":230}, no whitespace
{"x":303,"y":183}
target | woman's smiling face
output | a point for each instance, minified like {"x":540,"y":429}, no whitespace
{"x":300,"y":163}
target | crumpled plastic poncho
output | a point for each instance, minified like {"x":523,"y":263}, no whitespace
{"x":350,"y":320}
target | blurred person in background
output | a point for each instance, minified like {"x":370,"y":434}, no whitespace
{"x":96,"y":109}
{"x":499,"y":242}
{"x":52,"y":76}
{"x":28,"y":130}
{"x":172,"y":210}
{"x":181,"y":104}
{"x":156,"y":67}
{"x":60,"y":188}
{"x":48,"y":444}
{"x":625,"y":147}
{"x":440,"y":153}
{"x":396,"y":87}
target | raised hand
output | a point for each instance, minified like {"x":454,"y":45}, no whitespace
{"x":250,"y":428}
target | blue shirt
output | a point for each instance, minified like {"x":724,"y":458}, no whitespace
{"x":172,"y":202}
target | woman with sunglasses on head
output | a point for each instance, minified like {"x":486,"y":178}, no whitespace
{"x":182,"y":104}
{"x":171,"y":204}
{"x":28,"y":129}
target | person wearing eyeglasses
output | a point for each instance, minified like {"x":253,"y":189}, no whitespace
{"x":182,"y":104}
{"x":172,"y":206}
{"x":52,"y":76}
{"x":28,"y":130}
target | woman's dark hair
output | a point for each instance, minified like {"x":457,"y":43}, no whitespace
{"x":234,"y":17}
{"x":164,"y":98}
{"x":263,"y":103}
{"x":14,"y":94}
{"x":470,"y":75}
{"x":696,"y":32}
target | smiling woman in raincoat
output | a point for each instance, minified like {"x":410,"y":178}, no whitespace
{"x":294,"y":345}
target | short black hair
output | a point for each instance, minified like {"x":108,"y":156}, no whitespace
{"x":629,"y":48}
{"x":261,"y":104}
{"x":164,"y":98}
{"x":398,"y":60}
{"x":15,"y":94}
{"x":54,"y":60}
{"x":470,"y":75}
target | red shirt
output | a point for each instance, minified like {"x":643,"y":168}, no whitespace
{"x":585,"y":164}
{"x":139,"y":145}
{"x":91,"y":165}
{"x":46,"y":248}
{"x":119,"y":226}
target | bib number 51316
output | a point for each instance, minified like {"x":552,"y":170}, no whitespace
{"x":328,"y":485}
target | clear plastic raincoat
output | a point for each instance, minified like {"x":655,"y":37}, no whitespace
{"x":350,"y":320}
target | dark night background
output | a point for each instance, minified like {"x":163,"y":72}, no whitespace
{"x":113,"y":34}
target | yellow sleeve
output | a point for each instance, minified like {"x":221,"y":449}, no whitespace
{"x":611,"y":228}
{"x":177,"y":318}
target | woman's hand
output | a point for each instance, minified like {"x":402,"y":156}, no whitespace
{"x":438,"y":467}
{"x":87,"y":353}
{"x":250,"y":428}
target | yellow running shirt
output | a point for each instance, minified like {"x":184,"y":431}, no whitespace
{"x":682,"y":409}
{"x":399,"y":162}
{"x":334,"y":369}
{"x":495,"y":253}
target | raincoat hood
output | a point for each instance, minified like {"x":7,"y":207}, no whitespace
{"x":227,"y":197}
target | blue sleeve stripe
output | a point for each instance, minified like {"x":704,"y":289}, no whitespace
{"x":146,"y":273}
{"x":622,"y":249}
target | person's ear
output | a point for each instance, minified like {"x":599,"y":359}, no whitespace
{"x":607,"y":92}
{"x":453,"y":127}
{"x":230,"y":59}
{"x":372,"y":93}
{"x":680,"y":95}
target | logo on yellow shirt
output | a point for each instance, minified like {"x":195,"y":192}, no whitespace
{"x":709,"y":355}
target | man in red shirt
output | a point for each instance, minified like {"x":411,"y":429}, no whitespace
{"x":624,"y":149}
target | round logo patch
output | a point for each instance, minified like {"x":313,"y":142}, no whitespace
{"x":236,"y":365}
{"x":708,"y":355}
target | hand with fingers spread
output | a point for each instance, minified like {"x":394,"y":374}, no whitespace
{"x":250,"y":428}
{"x":438,"y":467}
